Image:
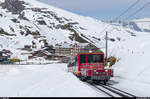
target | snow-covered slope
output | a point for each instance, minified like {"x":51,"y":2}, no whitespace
{"x":30,"y":22}
{"x":133,"y":68}
{"x":141,"y":25}
{"x":36,"y":22}
{"x":134,"y":55}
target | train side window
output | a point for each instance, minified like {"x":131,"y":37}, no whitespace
{"x":95,"y":58}
{"x":101,"y":58}
{"x":90,"y":58}
{"x":82,"y":58}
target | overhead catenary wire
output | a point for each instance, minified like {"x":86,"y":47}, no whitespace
{"x":127,"y":9}
{"x":130,"y":7}
{"x":115,"y":19}
{"x":134,"y":13}
{"x":131,"y":14}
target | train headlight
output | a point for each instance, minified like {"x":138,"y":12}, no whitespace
{"x":90,"y":51}
{"x":78,"y":72}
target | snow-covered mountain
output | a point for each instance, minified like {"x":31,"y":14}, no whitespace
{"x":141,"y":25}
{"x":28,"y":22}
{"x":25,"y":22}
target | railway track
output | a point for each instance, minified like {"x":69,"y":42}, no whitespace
{"x":111,"y":91}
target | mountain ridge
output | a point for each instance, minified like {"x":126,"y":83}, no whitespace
{"x":41,"y":23}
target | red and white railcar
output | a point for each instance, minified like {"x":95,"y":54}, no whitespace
{"x":90,"y":66}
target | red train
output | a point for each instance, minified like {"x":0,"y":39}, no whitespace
{"x":90,"y":66}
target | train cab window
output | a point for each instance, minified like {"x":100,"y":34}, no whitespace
{"x":82,"y":58}
{"x":95,"y":58}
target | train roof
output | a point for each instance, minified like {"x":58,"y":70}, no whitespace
{"x":90,"y":51}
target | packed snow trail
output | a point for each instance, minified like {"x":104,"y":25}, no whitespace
{"x":51,"y":80}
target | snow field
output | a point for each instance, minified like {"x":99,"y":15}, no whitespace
{"x":133,"y":69}
{"x":51,"y":80}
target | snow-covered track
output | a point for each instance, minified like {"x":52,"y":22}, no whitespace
{"x":117,"y":91}
{"x":104,"y":91}
{"x":111,"y":91}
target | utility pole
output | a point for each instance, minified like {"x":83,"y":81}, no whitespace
{"x":106,"y":48}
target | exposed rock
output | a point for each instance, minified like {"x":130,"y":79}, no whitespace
{"x":22,"y":33}
{"x":22,"y":16}
{"x":15,"y":20}
{"x":1,"y":15}
{"x":111,"y":39}
{"x":2,"y":32}
{"x":118,"y":38}
{"x":11,"y":29}
{"x":14,"y":6}
{"x":32,"y":33}
{"x":41,"y":22}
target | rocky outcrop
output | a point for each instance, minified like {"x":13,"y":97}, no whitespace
{"x":2,"y":32}
{"x":14,"y":6}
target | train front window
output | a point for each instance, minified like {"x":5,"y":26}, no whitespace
{"x":95,"y":58}
{"x":82,"y":58}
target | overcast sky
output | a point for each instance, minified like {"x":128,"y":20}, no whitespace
{"x":101,"y":9}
